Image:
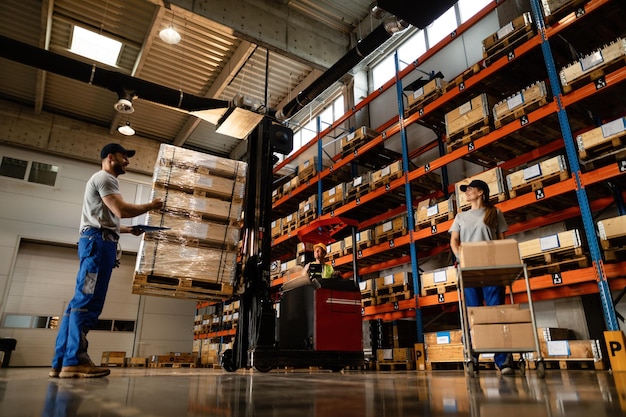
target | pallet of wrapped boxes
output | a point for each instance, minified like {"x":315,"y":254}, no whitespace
{"x":494,"y":178}
{"x":594,"y":65}
{"x":535,"y":177}
{"x":509,"y":36}
{"x":612,"y":233}
{"x":554,"y":253}
{"x":196,"y":256}
{"x":520,"y":104}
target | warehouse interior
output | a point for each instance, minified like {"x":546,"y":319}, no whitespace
{"x":381,"y":143}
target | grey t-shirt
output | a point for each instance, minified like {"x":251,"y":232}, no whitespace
{"x":95,"y":212}
{"x":472,"y":228}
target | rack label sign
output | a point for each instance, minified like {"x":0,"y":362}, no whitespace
{"x":616,"y":346}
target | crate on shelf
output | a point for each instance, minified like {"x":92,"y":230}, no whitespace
{"x":498,"y":44}
{"x":547,"y":334}
{"x":277,"y":194}
{"x":307,"y":170}
{"x":276,"y":228}
{"x":290,"y":185}
{"x":358,"y":187}
{"x":520,"y":104}
{"x":554,"y":253}
{"x":443,"y":347}
{"x":602,"y":141}
{"x":333,"y":198}
{"x":474,"y":115}
{"x":434,"y":214}
{"x":438,"y":281}
{"x":364,"y":239}
{"x":612,"y":233}
{"x":307,"y":210}
{"x":554,"y":10}
{"x":356,"y":139}
{"x":460,"y":79}
{"x":287,"y":267}
{"x":494,"y":179}
{"x":424,"y":95}
{"x":386,"y":174}
{"x":289,"y":223}
{"x":394,"y":287}
{"x":537,"y":176}
{"x":335,"y":250}
{"x":395,"y":227}
{"x":594,"y":65}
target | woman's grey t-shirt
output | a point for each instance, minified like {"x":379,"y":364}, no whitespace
{"x":472,"y":228}
{"x":95,"y":213}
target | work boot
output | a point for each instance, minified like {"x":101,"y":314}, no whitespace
{"x":85,"y":370}
{"x":54,"y":373}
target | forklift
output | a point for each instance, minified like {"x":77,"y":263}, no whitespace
{"x":319,"y":324}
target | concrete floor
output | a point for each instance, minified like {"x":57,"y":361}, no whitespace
{"x":167,"y":392}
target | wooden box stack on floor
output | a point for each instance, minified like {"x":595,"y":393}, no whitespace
{"x":196,"y":257}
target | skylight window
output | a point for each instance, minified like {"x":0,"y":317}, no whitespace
{"x":94,"y":46}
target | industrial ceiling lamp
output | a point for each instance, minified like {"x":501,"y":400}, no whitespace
{"x":169,"y":34}
{"x":126,"y":130}
{"x":125,"y":103}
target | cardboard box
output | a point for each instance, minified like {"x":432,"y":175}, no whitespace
{"x":490,"y":253}
{"x":333,"y":195}
{"x":443,"y":337}
{"x":506,"y":313}
{"x":516,"y":336}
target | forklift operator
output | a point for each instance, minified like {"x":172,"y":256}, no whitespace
{"x":324,"y":270}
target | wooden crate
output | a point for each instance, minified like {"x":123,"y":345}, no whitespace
{"x":307,"y":209}
{"x":290,"y":185}
{"x":494,"y":179}
{"x":520,"y":104}
{"x":424,"y":95}
{"x":443,"y":337}
{"x":471,"y":115}
{"x":507,"y":37}
{"x":598,"y":60}
{"x":438,"y":281}
{"x":537,"y":176}
{"x":289,"y":223}
{"x":276,"y":228}
{"x":277,"y":194}
{"x":552,"y":243}
{"x":606,"y":137}
{"x":571,"y":349}
{"x":552,"y":333}
{"x":358,"y":187}
{"x":364,"y":238}
{"x":612,"y":228}
{"x":516,"y":24}
{"x":387,"y":174}
{"x":355,"y":139}
{"x":113,"y":358}
{"x":333,"y":196}
{"x":554,"y":10}
{"x":444,"y":353}
{"x":388,"y":283}
{"x":437,"y":213}
{"x":397,"y":226}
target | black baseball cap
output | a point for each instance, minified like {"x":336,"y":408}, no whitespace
{"x":115,"y":148}
{"x":476,"y":184}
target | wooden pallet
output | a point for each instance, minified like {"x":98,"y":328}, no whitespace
{"x":557,"y":14}
{"x":532,"y":186}
{"x":368,"y":302}
{"x":394,"y":365}
{"x":357,"y":191}
{"x":433,"y":220}
{"x":572,"y":363}
{"x":179,"y":287}
{"x":507,"y":44}
{"x":420,"y":104}
{"x":554,"y":262}
{"x":439,"y":288}
{"x":615,"y":145}
{"x":307,"y":174}
{"x":307,"y":218}
{"x":461,"y":78}
{"x":332,"y":207}
{"x":468,"y":138}
{"x":386,"y":237}
{"x":386,"y":180}
{"x":594,"y":75}
{"x":171,"y":365}
{"x":519,"y":113}
{"x":359,"y":247}
{"x":393,"y":297}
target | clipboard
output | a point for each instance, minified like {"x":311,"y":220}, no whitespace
{"x":147,"y":228}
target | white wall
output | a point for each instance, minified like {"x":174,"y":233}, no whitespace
{"x":52,"y":214}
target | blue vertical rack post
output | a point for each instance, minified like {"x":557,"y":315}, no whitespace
{"x":409,"y":202}
{"x":572,"y":157}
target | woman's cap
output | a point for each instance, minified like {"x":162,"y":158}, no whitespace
{"x":482,"y":185}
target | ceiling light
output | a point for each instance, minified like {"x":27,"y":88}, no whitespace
{"x":126,"y":130}
{"x":169,"y":36}
{"x":124,"y":106}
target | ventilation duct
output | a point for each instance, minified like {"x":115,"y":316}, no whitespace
{"x":117,"y":82}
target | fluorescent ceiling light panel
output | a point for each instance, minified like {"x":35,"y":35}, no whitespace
{"x":94,"y":46}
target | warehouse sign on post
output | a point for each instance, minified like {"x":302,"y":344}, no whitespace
{"x":616,"y":346}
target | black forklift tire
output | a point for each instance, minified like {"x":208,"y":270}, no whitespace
{"x":227,"y":361}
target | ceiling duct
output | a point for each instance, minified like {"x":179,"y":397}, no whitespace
{"x":114,"y":81}
{"x":419,"y":15}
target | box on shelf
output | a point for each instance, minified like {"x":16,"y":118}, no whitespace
{"x":436,"y":213}
{"x":386,"y":174}
{"x":358,"y":186}
{"x":545,"y":172}
{"x":363,"y":238}
{"x":569,"y":239}
{"x":438,"y":280}
{"x":552,"y":333}
{"x":600,"y":139}
{"x":522,"y":102}
{"x":519,"y":23}
{"x":333,"y":196}
{"x":433,"y":87}
{"x":335,"y":249}
{"x":600,"y":58}
{"x":391,"y":280}
{"x":557,"y":9}
{"x":357,"y":138}
{"x":397,"y":225}
{"x":612,"y":228}
{"x":443,"y":337}
{"x":290,"y":185}
{"x":475,"y":112}
{"x":276,"y":228}
{"x":506,"y":313}
{"x":287,"y":266}
{"x":494,"y":179}
{"x":503,"y":336}
{"x":302,"y":247}
{"x":489,"y":253}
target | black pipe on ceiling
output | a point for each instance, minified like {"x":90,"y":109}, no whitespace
{"x":117,"y":82}
{"x":340,"y":68}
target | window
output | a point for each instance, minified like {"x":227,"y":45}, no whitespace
{"x":94,"y":46}
{"x":442,"y":27}
{"x":38,"y":172}
{"x":468,"y":8}
{"x":43,"y":173}
{"x":13,"y":168}
{"x":305,"y":133}
{"x":22,"y":321}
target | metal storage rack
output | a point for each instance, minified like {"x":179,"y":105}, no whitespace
{"x":500,"y":276}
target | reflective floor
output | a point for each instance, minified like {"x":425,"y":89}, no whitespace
{"x":167,"y":392}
